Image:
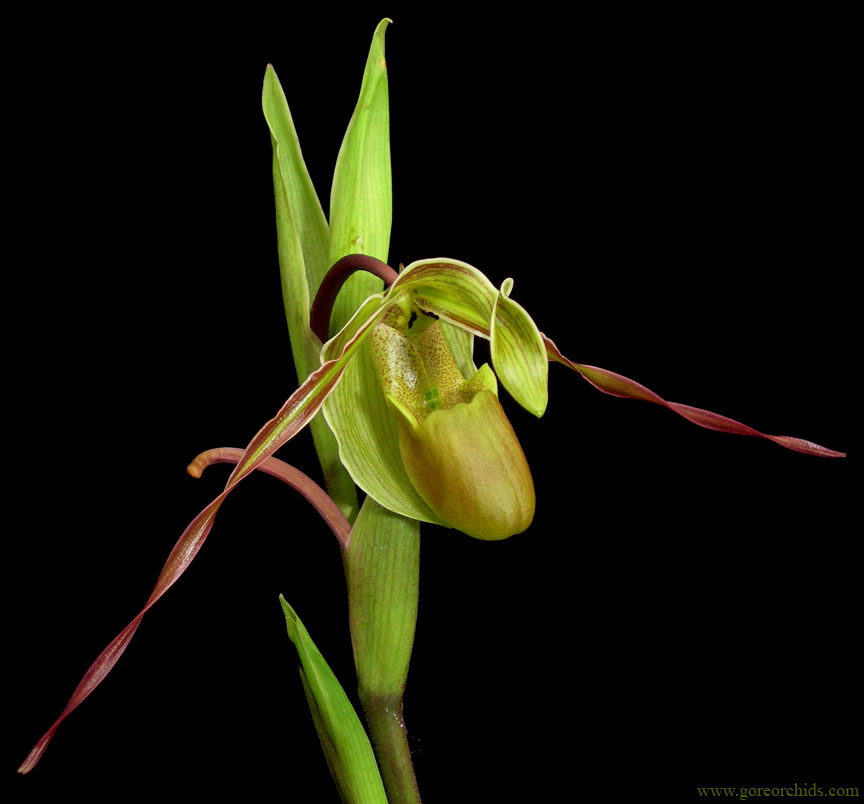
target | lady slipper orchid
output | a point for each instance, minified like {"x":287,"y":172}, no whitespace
{"x":440,"y":482}
{"x":457,"y":446}
{"x":418,"y":427}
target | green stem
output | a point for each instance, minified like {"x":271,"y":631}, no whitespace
{"x":389,"y":739}
{"x":382,"y":567}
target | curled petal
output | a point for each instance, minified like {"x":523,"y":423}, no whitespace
{"x":617,"y":385}
{"x":311,"y":491}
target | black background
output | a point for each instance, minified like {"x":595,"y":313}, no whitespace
{"x":668,"y":194}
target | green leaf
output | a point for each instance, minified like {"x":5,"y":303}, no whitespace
{"x":297,"y":205}
{"x":303,"y":242}
{"x":361,"y":205}
{"x":346,"y":745}
{"x":360,"y":217}
{"x":337,"y":772}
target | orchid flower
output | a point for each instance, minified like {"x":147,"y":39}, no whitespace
{"x":405,"y":415}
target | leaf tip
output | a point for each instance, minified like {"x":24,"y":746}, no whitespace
{"x":539,"y":408}
{"x":291,"y":619}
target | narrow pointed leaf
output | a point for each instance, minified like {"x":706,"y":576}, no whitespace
{"x":617,"y":385}
{"x":355,"y":769}
{"x":331,"y":755}
{"x":360,"y":214}
{"x":361,"y":205}
{"x":292,"y":177}
{"x":294,"y":415}
{"x":360,"y":223}
{"x":303,"y":241}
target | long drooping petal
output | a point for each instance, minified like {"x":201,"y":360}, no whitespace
{"x":462,"y":295}
{"x":617,"y":385}
{"x":294,"y":415}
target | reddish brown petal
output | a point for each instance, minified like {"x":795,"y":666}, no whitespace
{"x":183,"y":553}
{"x":617,"y":385}
{"x":311,"y":491}
{"x":294,"y":415}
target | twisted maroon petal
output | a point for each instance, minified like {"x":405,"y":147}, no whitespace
{"x":617,"y":385}
{"x":184,"y":551}
{"x":294,"y":415}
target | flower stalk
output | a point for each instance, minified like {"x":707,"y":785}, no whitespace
{"x":382,"y":569}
